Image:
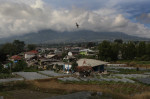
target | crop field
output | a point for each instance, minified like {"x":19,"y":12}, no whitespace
{"x":31,"y":75}
{"x":10,"y":80}
{"x":111,"y":85}
{"x":125,"y":80}
{"x":131,"y":75}
{"x":51,"y":73}
{"x":144,"y":80}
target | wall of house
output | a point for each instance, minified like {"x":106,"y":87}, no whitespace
{"x":67,"y":67}
{"x":27,"y":56}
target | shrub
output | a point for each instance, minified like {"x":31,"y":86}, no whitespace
{"x":21,"y":65}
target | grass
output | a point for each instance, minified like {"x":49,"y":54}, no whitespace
{"x":17,"y":89}
{"x":91,"y":82}
{"x":4,"y":76}
{"x":113,"y":90}
{"x":13,"y":86}
{"x":116,"y":87}
{"x":144,"y":95}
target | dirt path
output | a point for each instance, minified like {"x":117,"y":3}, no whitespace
{"x":53,"y":84}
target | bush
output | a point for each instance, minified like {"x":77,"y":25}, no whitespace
{"x":74,"y":66}
{"x":21,"y":65}
{"x":4,"y":76}
{"x":145,"y":58}
{"x":5,"y":71}
{"x":30,"y":69}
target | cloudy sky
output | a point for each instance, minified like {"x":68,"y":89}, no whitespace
{"x":19,"y":17}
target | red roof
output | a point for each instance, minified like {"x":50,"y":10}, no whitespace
{"x":32,"y":52}
{"x":16,"y":57}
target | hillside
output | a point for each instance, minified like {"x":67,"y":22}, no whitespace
{"x":49,"y":36}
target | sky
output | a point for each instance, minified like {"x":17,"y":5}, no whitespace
{"x":20,"y":17}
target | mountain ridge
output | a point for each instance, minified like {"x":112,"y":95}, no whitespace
{"x":50,"y":36}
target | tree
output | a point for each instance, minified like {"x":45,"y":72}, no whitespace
{"x":13,"y":48}
{"x":105,"y":51}
{"x":9,"y":49}
{"x":128,"y":50}
{"x":3,"y":56}
{"x":21,"y":65}
{"x":19,"y":45}
{"x":148,"y":49}
{"x":90,"y":44}
{"x":141,"y":49}
{"x":120,"y":41}
{"x":114,"y":51}
{"x":1,"y":67}
{"x":31,"y":47}
{"x":74,"y":66}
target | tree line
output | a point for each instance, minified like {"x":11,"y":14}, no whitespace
{"x":110,"y":51}
{"x":14,"y":48}
{"x":9,"y":49}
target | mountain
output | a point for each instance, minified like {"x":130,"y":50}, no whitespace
{"x":49,"y":36}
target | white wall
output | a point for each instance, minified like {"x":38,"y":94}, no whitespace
{"x":27,"y":56}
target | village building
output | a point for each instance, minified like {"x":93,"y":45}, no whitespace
{"x":69,"y":57}
{"x":30,"y":54}
{"x":15,"y":58}
{"x":67,"y":67}
{"x":86,"y":66}
{"x":97,"y":65}
{"x":87,"y":52}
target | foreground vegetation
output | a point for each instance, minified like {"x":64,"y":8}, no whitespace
{"x":139,"y":51}
{"x":111,"y":90}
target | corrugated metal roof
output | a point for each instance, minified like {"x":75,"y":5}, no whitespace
{"x":90,"y":62}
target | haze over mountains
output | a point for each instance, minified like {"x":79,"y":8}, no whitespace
{"x":50,"y":36}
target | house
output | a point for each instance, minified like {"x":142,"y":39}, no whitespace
{"x":50,"y":56}
{"x":30,"y":54}
{"x":69,"y":57}
{"x":57,"y":65}
{"x":97,"y":65}
{"x":87,"y":52}
{"x":58,"y":52}
{"x":75,"y":50}
{"x":67,"y":67}
{"x":15,"y":58}
{"x":84,"y":71}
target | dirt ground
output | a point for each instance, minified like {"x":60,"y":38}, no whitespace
{"x":119,"y":90}
{"x":54,"y":84}
{"x":52,"y":87}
